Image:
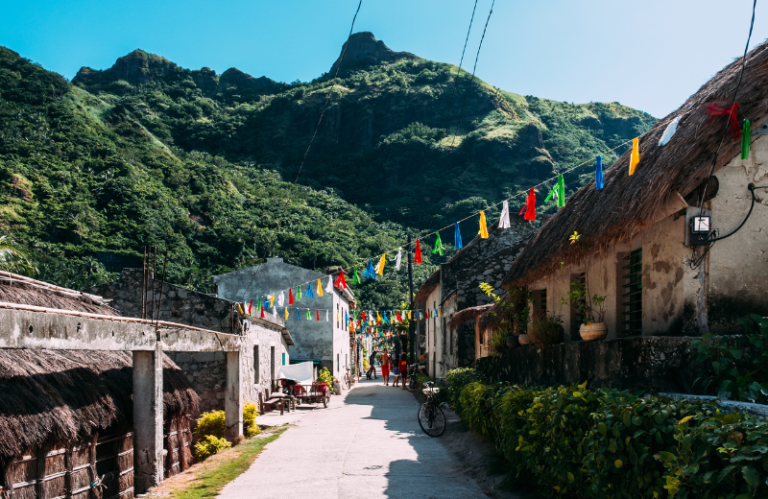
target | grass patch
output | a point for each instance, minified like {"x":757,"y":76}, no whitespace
{"x":206,"y":479}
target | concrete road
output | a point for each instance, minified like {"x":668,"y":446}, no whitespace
{"x":366,"y":445}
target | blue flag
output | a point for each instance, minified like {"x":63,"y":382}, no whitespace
{"x":599,"y":173}
{"x":309,"y":294}
{"x":369,"y":271}
{"x":457,"y":238}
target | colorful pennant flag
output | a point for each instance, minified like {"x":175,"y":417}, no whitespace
{"x":634,"y":158}
{"x":355,"y":277}
{"x":286,"y":313}
{"x":298,"y":293}
{"x":369,"y":273}
{"x":327,"y":317}
{"x":297,"y":313}
{"x":417,"y":253}
{"x":380,"y":265}
{"x":309,"y":293}
{"x":290,"y":297}
{"x":266,"y":303}
{"x":250,"y":306}
{"x":398,"y":260}
{"x":599,"y":182}
{"x":262,"y":312}
{"x":504,"y":222}
{"x":530,"y":206}
{"x":457,"y":237}
{"x":558,"y":191}
{"x":319,"y":288}
{"x":309,"y":317}
{"x":329,"y":286}
{"x":281,"y":299}
{"x":438,"y":246}
{"x":483,"y":226}
{"x":272,"y":301}
{"x":746,"y":139}
{"x":669,"y":131}
{"x":341,"y":283}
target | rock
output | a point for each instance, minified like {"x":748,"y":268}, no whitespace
{"x":203,"y":356}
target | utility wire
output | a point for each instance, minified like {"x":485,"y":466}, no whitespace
{"x":330,"y":92}
{"x":461,"y":61}
{"x":472,"y":78}
{"x":733,"y":101}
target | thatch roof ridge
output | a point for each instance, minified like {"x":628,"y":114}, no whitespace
{"x":26,"y":291}
{"x":59,"y":395}
{"x":429,"y":285}
{"x":627,"y":204}
{"x":468,"y":313}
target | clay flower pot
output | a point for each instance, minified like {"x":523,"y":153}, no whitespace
{"x":594,"y":331}
{"x":524,"y":339}
{"x":512,"y":341}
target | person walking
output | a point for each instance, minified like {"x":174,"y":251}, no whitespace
{"x":385,"y":360}
{"x":403,"y":368}
{"x":372,"y":365}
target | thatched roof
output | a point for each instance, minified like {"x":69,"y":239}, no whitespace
{"x":627,"y":204}
{"x":25,"y":291}
{"x":62,"y":395}
{"x":462,"y":316}
{"x":426,"y":289}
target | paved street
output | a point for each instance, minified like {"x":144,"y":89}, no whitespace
{"x":367,"y":444}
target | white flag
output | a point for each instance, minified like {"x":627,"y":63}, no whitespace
{"x":399,"y":259}
{"x":281,"y":299}
{"x":274,"y":311}
{"x":669,"y":131}
{"x":326,"y":315}
{"x":504,"y":219}
{"x":329,"y":287}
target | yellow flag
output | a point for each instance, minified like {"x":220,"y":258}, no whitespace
{"x":440,"y":312}
{"x":286,"y":313}
{"x":380,"y":266}
{"x":483,"y":226}
{"x":409,"y":315}
{"x":378,"y":317}
{"x":272,"y":301}
{"x":240,"y":309}
{"x":634,"y":159}
{"x":319,"y":288}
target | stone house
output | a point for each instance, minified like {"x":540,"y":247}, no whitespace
{"x":266,"y":342}
{"x":326,"y":342}
{"x":455,"y":287}
{"x":637,"y":234}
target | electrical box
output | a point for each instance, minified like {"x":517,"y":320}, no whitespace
{"x":700,"y":230}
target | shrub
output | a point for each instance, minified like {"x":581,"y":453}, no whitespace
{"x":250,"y":428}
{"x":547,"y":330}
{"x":210,"y":445}
{"x":211,"y":424}
{"x":609,"y":443}
{"x":325,"y":376}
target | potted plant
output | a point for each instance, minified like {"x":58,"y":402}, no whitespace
{"x":592,"y":311}
{"x":546,"y":330}
{"x":514,"y":315}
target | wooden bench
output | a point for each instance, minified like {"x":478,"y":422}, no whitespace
{"x":267,"y":403}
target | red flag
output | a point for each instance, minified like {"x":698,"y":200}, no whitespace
{"x":363,"y":316}
{"x":262,"y":312}
{"x":399,"y":319}
{"x":732,"y":112}
{"x":530,"y":206}
{"x":417,"y":253}
{"x":340,"y":283}
{"x":290,"y":297}
{"x":318,"y":316}
{"x":249,"y":307}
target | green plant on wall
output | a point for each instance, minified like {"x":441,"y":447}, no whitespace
{"x":512,"y":309}
{"x":739,"y":363}
{"x":590,"y":308}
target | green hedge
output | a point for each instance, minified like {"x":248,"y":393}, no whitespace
{"x":581,"y":443}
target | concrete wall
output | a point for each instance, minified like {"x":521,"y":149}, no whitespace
{"x":323,"y":341}
{"x":206,"y":371}
{"x":646,"y":363}
{"x":737,"y":279}
{"x":433,"y":329}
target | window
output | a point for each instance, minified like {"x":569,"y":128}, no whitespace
{"x":346,"y":360}
{"x":337,"y":363}
{"x":540,"y":302}
{"x":632,"y":304}
{"x":283,"y":358}
{"x":256,"y":365}
{"x":337,"y":315}
{"x":272,"y":362}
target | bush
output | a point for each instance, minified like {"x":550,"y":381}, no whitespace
{"x":325,"y":376}
{"x":210,"y":445}
{"x":547,"y":330}
{"x":250,"y":412}
{"x":211,"y":424}
{"x":613,"y":444}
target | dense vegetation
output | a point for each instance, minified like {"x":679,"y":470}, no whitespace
{"x":148,"y":153}
{"x":576,"y":442}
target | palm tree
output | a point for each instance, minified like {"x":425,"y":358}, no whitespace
{"x":14,"y":258}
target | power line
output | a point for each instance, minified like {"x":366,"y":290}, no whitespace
{"x":330,"y":92}
{"x":472,"y":78}
{"x":461,"y":61}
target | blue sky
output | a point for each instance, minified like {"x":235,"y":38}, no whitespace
{"x":649,"y":54}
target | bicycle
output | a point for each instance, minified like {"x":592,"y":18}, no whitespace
{"x":348,"y":381}
{"x":410,"y":380}
{"x":431,"y":417}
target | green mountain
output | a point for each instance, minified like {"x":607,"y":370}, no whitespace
{"x":147,"y":152}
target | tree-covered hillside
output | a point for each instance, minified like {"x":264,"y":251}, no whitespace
{"x":387,"y":139}
{"x":148,"y":153}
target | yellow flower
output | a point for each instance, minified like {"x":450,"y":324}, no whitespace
{"x":574,"y":237}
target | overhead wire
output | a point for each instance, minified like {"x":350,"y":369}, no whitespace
{"x":461,"y":61}
{"x":330,"y":92}
{"x":474,"y":68}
